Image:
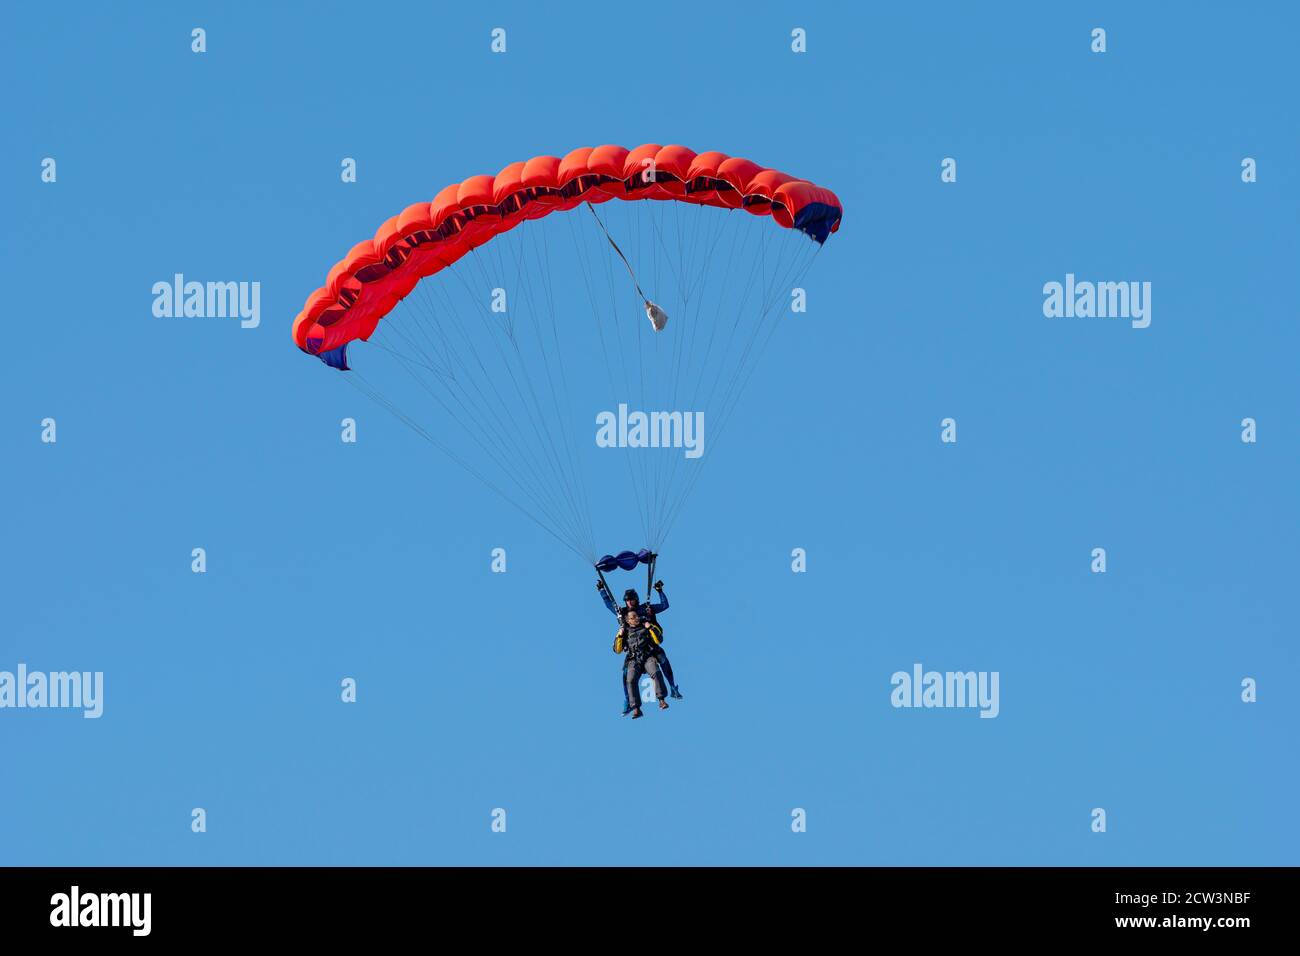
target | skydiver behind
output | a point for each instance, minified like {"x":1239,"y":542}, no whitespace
{"x":636,"y":639}
{"x":648,"y":613}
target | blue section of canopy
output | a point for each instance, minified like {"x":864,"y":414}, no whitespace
{"x":627,"y":560}
{"x":817,"y":219}
{"x":336,"y":358}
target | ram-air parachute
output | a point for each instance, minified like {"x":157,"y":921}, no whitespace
{"x":534,"y":341}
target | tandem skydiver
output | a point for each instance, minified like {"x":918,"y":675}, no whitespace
{"x":647,"y":612}
{"x":637,"y":638}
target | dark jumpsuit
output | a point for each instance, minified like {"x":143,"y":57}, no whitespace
{"x":648,"y":612}
{"x":640,"y":647}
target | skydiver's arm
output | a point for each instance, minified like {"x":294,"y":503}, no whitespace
{"x":609,"y":602}
{"x":662,"y":605}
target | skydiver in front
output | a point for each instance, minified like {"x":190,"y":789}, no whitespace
{"x":636,"y":639}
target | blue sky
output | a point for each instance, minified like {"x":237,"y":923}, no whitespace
{"x":481,"y":690}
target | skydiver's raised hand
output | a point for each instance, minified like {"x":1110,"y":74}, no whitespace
{"x":600,"y":586}
{"x":659,"y":585}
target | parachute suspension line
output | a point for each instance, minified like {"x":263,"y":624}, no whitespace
{"x":570,"y":476}
{"x":573,"y":477}
{"x":658,"y":211}
{"x":545,"y":272}
{"x":619,"y":251}
{"x":496,"y":428}
{"x":658,"y":214}
{"x":659,"y":236}
{"x":735,"y":261}
{"x":500,"y":457}
{"x":638,"y":209}
{"x":798,"y":271}
{"x":502,"y":461}
{"x":461,"y":373}
{"x":634,"y":373}
{"x":581,"y":253}
{"x":662,"y":473}
{"x":647,"y":256}
{"x":567,"y":479}
{"x":747,"y":362}
{"x":507,"y":449}
{"x":363,"y":386}
{"x":586,"y":259}
{"x":689,"y":253}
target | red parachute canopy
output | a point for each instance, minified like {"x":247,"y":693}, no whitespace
{"x":428,"y":236}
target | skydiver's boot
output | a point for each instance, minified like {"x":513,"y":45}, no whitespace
{"x":627,"y":709}
{"x":675,"y":693}
{"x":663,"y":704}
{"x":636,"y":712}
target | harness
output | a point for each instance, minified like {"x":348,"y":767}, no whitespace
{"x":645,"y":650}
{"x":655,"y":629}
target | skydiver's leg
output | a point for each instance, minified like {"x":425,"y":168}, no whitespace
{"x":662,"y":656}
{"x":657,"y":675}
{"x":622,"y":689}
{"x":633,"y":687}
{"x":632,"y":683}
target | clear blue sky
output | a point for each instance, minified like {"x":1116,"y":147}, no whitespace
{"x":480,"y":690}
